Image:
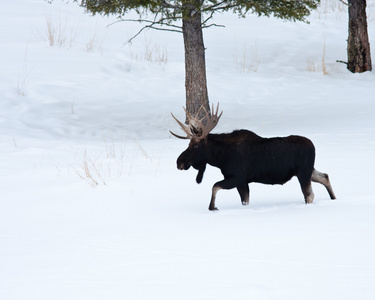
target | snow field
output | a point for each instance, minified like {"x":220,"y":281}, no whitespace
{"x":92,"y":205}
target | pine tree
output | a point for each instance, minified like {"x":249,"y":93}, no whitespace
{"x":359,"y":57}
{"x":195,"y":15}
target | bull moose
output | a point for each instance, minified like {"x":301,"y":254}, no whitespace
{"x":244,"y":157}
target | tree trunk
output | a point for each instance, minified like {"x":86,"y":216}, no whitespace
{"x":195,"y":64}
{"x":359,"y":57}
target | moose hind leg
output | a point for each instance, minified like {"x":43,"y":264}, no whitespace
{"x":323,"y":178}
{"x":244,"y":192}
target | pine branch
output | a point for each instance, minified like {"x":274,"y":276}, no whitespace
{"x":211,"y":7}
{"x":166,"y":4}
{"x":218,"y":7}
{"x":210,"y":17}
{"x":211,"y":25}
{"x":152,"y":25}
{"x":161,"y":22}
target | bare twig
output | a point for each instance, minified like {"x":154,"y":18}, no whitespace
{"x":166,"y":20}
{"x":211,"y":25}
{"x":343,"y":2}
{"x":152,"y":26}
{"x":341,"y":61}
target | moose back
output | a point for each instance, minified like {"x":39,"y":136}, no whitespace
{"x":244,"y":157}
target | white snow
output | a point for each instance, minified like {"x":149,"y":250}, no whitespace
{"x":92,"y":205}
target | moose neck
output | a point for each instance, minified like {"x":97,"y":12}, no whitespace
{"x":215,"y":152}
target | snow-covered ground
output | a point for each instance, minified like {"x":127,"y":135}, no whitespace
{"x":91,"y":203}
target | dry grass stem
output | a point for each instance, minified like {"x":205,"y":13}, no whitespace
{"x":58,"y":33}
{"x":312,"y":66}
{"x":92,"y":43}
{"x":102,"y":167}
{"x":247,"y":60}
{"x":89,"y":170}
{"x":23,"y":77}
{"x":153,"y":53}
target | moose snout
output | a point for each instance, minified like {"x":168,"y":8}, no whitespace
{"x":182,"y":166}
{"x":183,"y":163}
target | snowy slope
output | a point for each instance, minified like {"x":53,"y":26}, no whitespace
{"x":92,"y":205}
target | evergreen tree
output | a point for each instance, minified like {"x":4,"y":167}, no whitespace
{"x":194,"y":16}
{"x":359,"y":57}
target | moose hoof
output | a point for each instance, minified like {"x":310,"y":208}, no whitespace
{"x":245,"y":203}
{"x":213,"y":209}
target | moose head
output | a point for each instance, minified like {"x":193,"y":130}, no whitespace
{"x":197,"y":131}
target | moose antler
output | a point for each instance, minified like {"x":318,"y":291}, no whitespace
{"x":196,"y":129}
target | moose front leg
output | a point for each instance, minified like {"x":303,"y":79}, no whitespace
{"x":200,"y":174}
{"x":225,"y":184}
{"x":215,"y":189}
{"x":244,"y":192}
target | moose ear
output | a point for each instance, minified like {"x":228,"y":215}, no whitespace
{"x":200,"y":174}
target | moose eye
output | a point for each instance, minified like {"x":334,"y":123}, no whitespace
{"x":196,"y":146}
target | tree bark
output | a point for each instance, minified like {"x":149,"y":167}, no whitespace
{"x":195,"y":62}
{"x":359,"y":57}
